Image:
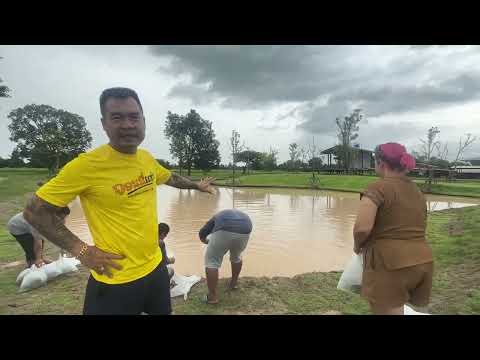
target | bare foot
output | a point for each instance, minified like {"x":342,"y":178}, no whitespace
{"x":211,"y":301}
{"x":232,"y":286}
{"x":46,"y":261}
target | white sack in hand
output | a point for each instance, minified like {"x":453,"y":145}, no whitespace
{"x":351,"y":279}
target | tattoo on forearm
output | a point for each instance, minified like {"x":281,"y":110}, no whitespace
{"x":44,"y":218}
{"x":181,"y":183}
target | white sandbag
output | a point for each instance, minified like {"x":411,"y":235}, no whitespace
{"x":22,"y":275}
{"x":34,"y":279}
{"x":407,"y":310}
{"x":183,"y":284}
{"x":66,"y":264}
{"x":51,"y":270}
{"x":351,"y":279}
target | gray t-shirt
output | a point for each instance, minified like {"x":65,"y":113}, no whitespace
{"x":231,"y":220}
{"x":17,"y":225}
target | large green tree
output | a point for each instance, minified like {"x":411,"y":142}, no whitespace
{"x":48,"y":137}
{"x":270,"y":159}
{"x":192,"y":141}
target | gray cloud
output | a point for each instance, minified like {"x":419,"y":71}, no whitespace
{"x":391,"y":100}
{"x":381,"y":80}
{"x":290,"y":92}
{"x":394,"y":99}
{"x":321,"y":119}
{"x":260,"y":75}
{"x":197,"y":94}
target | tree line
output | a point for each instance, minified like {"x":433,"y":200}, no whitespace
{"x":48,"y":137}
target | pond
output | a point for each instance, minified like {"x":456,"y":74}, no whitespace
{"x":295,"y":231}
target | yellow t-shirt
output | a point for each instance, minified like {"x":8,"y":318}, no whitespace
{"x":118,"y":193}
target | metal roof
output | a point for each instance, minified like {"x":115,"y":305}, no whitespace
{"x":333,"y":148}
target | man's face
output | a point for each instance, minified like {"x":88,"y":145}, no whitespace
{"x":162,"y":236}
{"x":124,"y":124}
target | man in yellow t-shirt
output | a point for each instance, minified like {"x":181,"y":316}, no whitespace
{"x":116,"y":183}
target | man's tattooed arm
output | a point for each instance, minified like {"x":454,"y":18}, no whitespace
{"x":180,"y":182}
{"x":45,"y":218}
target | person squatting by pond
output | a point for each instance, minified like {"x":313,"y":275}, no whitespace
{"x":390,"y":233}
{"x":29,"y":238}
{"x":117,"y":185}
{"x":227,"y":231}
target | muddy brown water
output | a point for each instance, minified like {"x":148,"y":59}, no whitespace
{"x":295,"y":231}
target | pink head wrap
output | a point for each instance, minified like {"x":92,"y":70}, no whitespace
{"x":397,"y":154}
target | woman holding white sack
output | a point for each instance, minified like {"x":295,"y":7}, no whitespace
{"x":390,"y":234}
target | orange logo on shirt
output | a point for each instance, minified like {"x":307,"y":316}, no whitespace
{"x":131,"y":186}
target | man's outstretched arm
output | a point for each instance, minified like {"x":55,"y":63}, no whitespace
{"x":181,"y":182}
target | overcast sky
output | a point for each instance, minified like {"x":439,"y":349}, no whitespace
{"x":272,"y":95}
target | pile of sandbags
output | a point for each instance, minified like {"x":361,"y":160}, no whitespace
{"x":35,"y":277}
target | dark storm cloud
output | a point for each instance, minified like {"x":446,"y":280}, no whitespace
{"x":381,"y":80}
{"x":259,"y":75}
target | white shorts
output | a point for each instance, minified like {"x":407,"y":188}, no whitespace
{"x":219,"y":243}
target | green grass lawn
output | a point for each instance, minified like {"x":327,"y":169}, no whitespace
{"x":453,"y":234}
{"x":355,"y":183}
{"x":220,"y":174}
{"x":338,"y":182}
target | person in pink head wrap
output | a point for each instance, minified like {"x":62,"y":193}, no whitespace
{"x":390,"y":234}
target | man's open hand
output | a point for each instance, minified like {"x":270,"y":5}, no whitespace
{"x":205,"y":185}
{"x":100,"y":261}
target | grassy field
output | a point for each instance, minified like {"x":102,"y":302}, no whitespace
{"x":346,"y":183}
{"x":453,"y":234}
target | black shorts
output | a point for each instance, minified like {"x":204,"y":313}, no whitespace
{"x":26,"y":242}
{"x":150,"y":294}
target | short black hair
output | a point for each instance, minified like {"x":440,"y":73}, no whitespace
{"x":163,"y":228}
{"x":118,"y":93}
